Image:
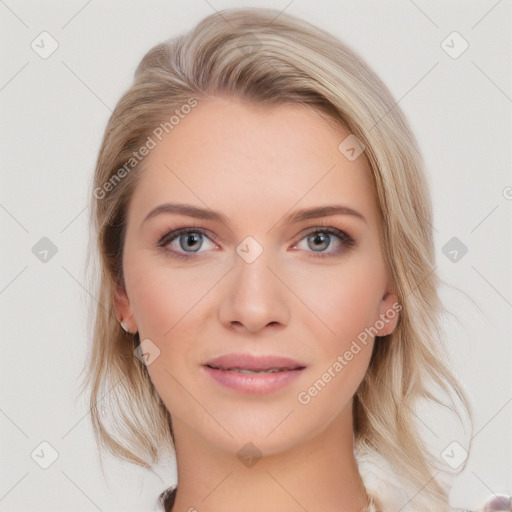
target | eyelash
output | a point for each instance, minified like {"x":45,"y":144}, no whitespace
{"x":345,"y":239}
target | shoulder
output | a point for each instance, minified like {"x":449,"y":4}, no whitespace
{"x":497,"y":503}
{"x":382,"y":483}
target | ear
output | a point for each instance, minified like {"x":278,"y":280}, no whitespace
{"x":389,"y":312}
{"x":123,"y":310}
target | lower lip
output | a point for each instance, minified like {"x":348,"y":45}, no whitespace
{"x":253,"y":383}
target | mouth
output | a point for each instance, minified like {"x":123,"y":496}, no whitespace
{"x":263,"y":370}
{"x":246,"y":373}
{"x":248,"y":363}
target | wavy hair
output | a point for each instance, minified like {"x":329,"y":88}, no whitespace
{"x":264,"y":57}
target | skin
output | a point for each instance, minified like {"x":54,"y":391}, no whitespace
{"x":256,"y":165}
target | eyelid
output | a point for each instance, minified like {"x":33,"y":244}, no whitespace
{"x":171,"y":233}
{"x":325,"y":228}
{"x":174,"y":234}
{"x":344,"y":238}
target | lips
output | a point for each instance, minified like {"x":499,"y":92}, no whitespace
{"x":251,"y":374}
{"x":254,"y":363}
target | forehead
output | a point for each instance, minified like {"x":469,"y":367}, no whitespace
{"x":243,"y":159}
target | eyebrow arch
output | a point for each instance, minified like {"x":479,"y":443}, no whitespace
{"x":187,"y":209}
{"x":322,"y":211}
{"x":295,"y":217}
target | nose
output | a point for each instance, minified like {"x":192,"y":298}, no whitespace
{"x":254,"y":297}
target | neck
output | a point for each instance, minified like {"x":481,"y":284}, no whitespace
{"x":318,"y":475}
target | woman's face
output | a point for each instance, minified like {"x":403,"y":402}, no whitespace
{"x":253,"y":277}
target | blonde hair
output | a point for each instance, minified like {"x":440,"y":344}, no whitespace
{"x":259,"y":55}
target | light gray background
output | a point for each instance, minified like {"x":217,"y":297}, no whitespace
{"x":54,"y":112}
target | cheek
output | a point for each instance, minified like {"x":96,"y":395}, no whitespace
{"x":342,"y":300}
{"x":164,"y":299}
{"x":168,"y":304}
{"x":344,"y":306}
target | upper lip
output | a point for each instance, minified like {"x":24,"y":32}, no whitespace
{"x":253,"y":362}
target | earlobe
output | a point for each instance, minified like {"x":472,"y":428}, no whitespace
{"x":123,"y":311}
{"x":389,"y":312}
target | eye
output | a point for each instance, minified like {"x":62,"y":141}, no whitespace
{"x":188,"y":240}
{"x":321,"y":239}
{"x":185,"y":243}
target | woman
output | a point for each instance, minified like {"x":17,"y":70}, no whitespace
{"x":269,"y":309}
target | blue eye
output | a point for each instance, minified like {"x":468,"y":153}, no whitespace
{"x":188,"y":242}
{"x":188,"y":238}
{"x":319,"y":240}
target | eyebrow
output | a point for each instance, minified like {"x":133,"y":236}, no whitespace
{"x":322,"y":211}
{"x":188,"y":210}
{"x":295,"y":217}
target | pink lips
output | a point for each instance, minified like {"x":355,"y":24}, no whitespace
{"x":250,"y":362}
{"x":222,"y":369}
